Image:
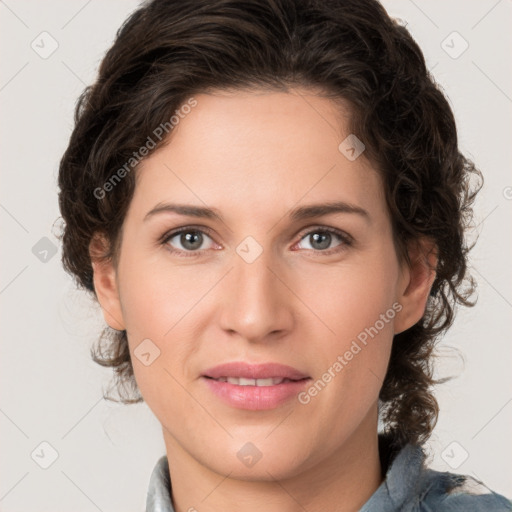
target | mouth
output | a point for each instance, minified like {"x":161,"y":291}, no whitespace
{"x":245,"y":372}
{"x":255,"y":387}
{"x":242,"y":381}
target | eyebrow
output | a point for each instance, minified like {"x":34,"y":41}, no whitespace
{"x":300,"y":213}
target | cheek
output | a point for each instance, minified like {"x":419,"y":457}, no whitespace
{"x":156,"y":297}
{"x":352,"y":297}
{"x":163,"y":313}
{"x":351,"y":363}
{"x":356,"y":307}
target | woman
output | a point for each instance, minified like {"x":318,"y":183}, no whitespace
{"x":268,"y":201}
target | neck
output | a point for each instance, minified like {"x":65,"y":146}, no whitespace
{"x":343,"y":481}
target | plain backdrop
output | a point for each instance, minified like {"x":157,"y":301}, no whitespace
{"x":102,"y":453}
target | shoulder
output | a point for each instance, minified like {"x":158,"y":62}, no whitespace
{"x":411,"y":486}
{"x":450,"y":492}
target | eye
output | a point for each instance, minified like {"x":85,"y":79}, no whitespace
{"x":191,"y":241}
{"x":187,"y":240}
{"x":320,"y":240}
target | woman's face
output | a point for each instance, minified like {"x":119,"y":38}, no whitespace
{"x":263,"y":279}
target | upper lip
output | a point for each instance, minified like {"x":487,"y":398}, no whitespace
{"x":254,"y":371}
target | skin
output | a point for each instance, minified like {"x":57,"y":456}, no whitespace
{"x":254,"y":156}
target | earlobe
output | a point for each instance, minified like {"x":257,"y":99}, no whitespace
{"x":417,"y":280}
{"x":105,"y":284}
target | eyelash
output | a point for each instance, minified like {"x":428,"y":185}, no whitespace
{"x":346,"y":239}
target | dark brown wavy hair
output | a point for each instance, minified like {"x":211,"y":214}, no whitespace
{"x":349,"y":50}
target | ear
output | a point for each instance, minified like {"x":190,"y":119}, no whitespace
{"x":105,"y":283}
{"x":416,"y":283}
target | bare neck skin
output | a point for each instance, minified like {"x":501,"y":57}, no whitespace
{"x":343,"y":481}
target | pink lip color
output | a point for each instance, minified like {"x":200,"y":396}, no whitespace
{"x":254,"y":371}
{"x":255,"y":398}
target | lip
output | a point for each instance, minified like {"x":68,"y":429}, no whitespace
{"x":255,"y":398}
{"x":254,"y":371}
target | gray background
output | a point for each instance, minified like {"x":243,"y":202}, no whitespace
{"x":50,"y":390}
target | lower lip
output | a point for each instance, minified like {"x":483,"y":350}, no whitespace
{"x":256,"y":398}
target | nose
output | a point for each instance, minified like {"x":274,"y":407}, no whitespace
{"x":257,"y":305}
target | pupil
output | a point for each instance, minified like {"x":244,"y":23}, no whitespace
{"x":325,"y":240}
{"x":189,"y":240}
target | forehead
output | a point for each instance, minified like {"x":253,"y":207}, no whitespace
{"x":251,"y":149}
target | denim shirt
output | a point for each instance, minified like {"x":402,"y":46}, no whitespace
{"x":408,"y":486}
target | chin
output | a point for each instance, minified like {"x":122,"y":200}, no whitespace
{"x":254,"y":462}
